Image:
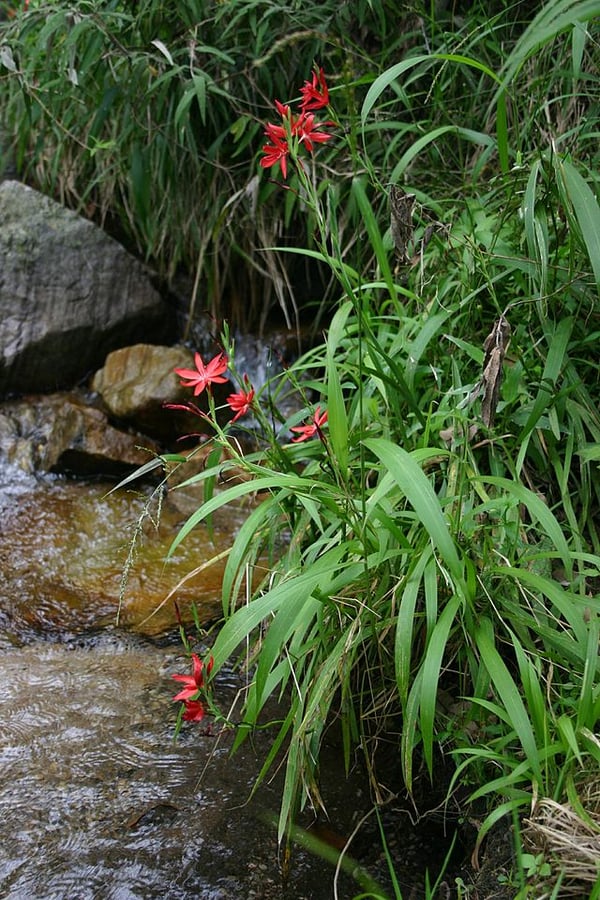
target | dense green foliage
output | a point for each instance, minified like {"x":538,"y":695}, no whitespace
{"x":147,"y":116}
{"x":431,"y":559}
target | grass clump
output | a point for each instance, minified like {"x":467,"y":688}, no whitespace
{"x":441,"y":570}
{"x":147,"y":118}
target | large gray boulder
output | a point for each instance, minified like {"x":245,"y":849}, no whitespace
{"x":69,"y":294}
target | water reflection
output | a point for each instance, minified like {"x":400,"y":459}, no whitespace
{"x":97,"y":802}
{"x":63,"y":551}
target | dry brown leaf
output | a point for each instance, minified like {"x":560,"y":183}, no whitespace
{"x":495,"y":347}
{"x":401,"y":211}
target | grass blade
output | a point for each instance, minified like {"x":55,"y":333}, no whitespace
{"x":510,"y":697}
{"x":587,"y":212}
{"x":538,"y":511}
{"x":417,"y":489}
{"x":431,"y":669}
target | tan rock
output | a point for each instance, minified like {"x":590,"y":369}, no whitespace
{"x":136,"y":383}
{"x":138,"y":378}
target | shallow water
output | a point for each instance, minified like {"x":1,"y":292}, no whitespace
{"x":64,"y":547}
{"x":96,"y":799}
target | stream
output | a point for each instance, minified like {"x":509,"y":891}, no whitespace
{"x":97,"y":800}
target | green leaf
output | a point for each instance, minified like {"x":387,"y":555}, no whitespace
{"x":539,"y":711}
{"x":415,"y":148}
{"x":570,"y":641}
{"x":164,"y":50}
{"x":417,"y":489}
{"x":552,"y":18}
{"x":410,"y":730}
{"x":431,"y":669}
{"x":539,"y":511}
{"x":376,"y":240}
{"x":587,"y":212}
{"x":558,"y":342}
{"x":141,"y":472}
{"x":336,"y":409}
{"x":200,"y":89}
{"x":385,"y":79}
{"x":290,"y":590}
{"x":281,"y":481}
{"x":585,"y":707}
{"x":392,"y":74}
{"x":510,"y":698}
{"x":241,"y":550}
{"x":502,"y":131}
{"x":566,"y":730}
{"x":405,"y":624}
{"x":292,"y":616}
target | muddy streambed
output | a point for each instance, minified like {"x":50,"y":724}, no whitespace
{"x":96,"y":799}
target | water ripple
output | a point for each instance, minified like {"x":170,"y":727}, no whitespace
{"x":98,"y":803}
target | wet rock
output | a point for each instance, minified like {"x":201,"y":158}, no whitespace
{"x":61,"y":433}
{"x":69,"y":294}
{"x":135,"y":383}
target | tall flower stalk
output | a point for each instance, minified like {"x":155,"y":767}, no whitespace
{"x":294,"y":140}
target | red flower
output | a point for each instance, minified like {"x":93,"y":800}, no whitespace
{"x":315,"y":95}
{"x":194,"y":682}
{"x":284,"y":111}
{"x":305,"y":129}
{"x":204,"y":375}
{"x":302,"y":127}
{"x":305,"y":432}
{"x":241,"y":402}
{"x":277,"y":152}
{"x":194,"y":711}
{"x":188,"y":408}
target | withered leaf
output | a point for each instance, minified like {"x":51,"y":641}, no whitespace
{"x":401,"y":211}
{"x":495,"y":347}
{"x":408,"y":250}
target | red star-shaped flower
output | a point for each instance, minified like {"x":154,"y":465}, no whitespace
{"x":305,"y":432}
{"x":241,"y":402}
{"x":194,"y":711}
{"x":194,"y":682}
{"x":204,"y":375}
{"x":315,"y":94}
{"x":277,"y":152}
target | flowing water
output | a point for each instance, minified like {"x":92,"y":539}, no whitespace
{"x":98,"y":802}
{"x":96,"y":799}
